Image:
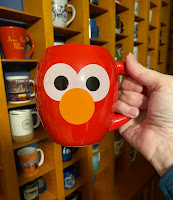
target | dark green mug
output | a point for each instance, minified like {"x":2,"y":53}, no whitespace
{"x":33,"y":189}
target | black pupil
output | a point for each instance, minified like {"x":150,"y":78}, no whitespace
{"x":93,"y":83}
{"x":61,"y":83}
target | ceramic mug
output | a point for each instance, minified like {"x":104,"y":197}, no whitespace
{"x":118,"y":143}
{"x":29,"y":160}
{"x":137,"y":7}
{"x":71,"y":173}
{"x":19,"y":89}
{"x":96,"y":147}
{"x":74,"y":196}
{"x":13,"y":42}
{"x":119,"y":52}
{"x":67,"y":153}
{"x":135,"y":31}
{"x":94,"y":31}
{"x":94,"y":1}
{"x":22,"y":127}
{"x":59,"y":13}
{"x":119,"y":25}
{"x":96,"y":160}
{"x":76,"y":86}
{"x":31,"y":190}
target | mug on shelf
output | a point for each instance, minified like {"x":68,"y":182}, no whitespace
{"x":67,"y":153}
{"x":94,"y":1}
{"x":13,"y":42}
{"x":21,"y":122}
{"x":133,"y":153}
{"x":94,"y":31}
{"x":136,"y":7}
{"x":32,"y":190}
{"x":29,"y":160}
{"x":96,"y":147}
{"x":150,"y":16}
{"x":119,"y":52}
{"x":96,"y":160}
{"x":74,"y":196}
{"x":59,"y":13}
{"x":119,"y":25}
{"x":118,"y":143}
{"x":71,"y":173}
{"x":80,"y":95}
{"x":135,"y":31}
{"x":19,"y":89}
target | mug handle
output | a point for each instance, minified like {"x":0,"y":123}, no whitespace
{"x":43,"y":189}
{"x":41,"y":158}
{"x":73,"y":14}
{"x":32,"y":45}
{"x":38,"y":119}
{"x":33,"y":94}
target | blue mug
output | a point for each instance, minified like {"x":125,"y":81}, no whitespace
{"x":94,"y":31}
{"x":33,"y":189}
{"x":67,"y":153}
{"x":71,"y":173}
{"x":96,"y":160}
{"x":94,"y":1}
{"x":96,"y":147}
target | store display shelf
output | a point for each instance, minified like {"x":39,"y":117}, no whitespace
{"x":152,"y":27}
{"x":79,"y":182}
{"x":47,"y":196}
{"x":138,"y":19}
{"x":137,"y":43}
{"x":120,"y":36}
{"x":152,"y":5}
{"x":77,"y":156}
{"x":67,"y":32}
{"x":20,"y":16}
{"x":96,"y":10}
{"x":151,"y":48}
{"x":120,"y":8}
{"x":164,"y":3}
{"x":19,"y":60}
{"x":39,"y":134}
{"x":43,"y":169}
{"x":97,"y":42}
{"x":102,"y":168}
{"x":163,"y":24}
{"x":32,"y":102}
{"x":103,"y":149}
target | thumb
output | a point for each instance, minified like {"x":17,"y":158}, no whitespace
{"x":147,"y":77}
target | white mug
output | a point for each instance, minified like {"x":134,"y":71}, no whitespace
{"x":22,"y":127}
{"x":59,"y":13}
{"x":118,"y":145}
{"x":135,"y":31}
{"x":136,"y":7}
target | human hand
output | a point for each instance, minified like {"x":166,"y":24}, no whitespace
{"x":150,"y":130}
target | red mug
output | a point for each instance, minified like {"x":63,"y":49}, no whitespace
{"x":76,"y":86}
{"x":13,"y":42}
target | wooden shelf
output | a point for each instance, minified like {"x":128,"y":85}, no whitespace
{"x":77,"y":156}
{"x":103,"y":149}
{"x":95,"y":10}
{"x":152,"y":5}
{"x":137,"y":43}
{"x":20,"y":16}
{"x":120,"y":8}
{"x":151,"y":48}
{"x":39,"y":134}
{"x":163,"y":24}
{"x":138,"y":19}
{"x":120,"y":36}
{"x":152,"y":27}
{"x":19,"y":60}
{"x":47,"y":196}
{"x":162,"y":44}
{"x":102,"y":167}
{"x":79,"y":182}
{"x":32,"y":102}
{"x":43,"y":169}
{"x":67,"y":32}
{"x":97,"y":42}
{"x":164,"y":3}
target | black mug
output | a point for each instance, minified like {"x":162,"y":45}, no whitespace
{"x":32,"y":190}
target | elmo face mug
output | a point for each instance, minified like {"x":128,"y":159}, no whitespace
{"x":76,"y":86}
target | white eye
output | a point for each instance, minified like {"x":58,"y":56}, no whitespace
{"x":58,"y":79}
{"x":95,"y":80}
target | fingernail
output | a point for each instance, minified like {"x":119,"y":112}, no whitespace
{"x":134,"y":112}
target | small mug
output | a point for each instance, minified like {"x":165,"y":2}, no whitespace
{"x":19,"y":89}
{"x":119,"y":52}
{"x":29,"y":160}
{"x":150,"y":16}
{"x":94,"y":1}
{"x":13,"y":42}
{"x":96,"y":147}
{"x":135,"y":31}
{"x":96,"y":160}
{"x":118,"y":143}
{"x":32,"y":190}
{"x":137,"y":7}
{"x":67,"y":153}
{"x":74,"y":196}
{"x":71,"y":173}
{"x":94,"y":31}
{"x":22,"y":126}
{"x":59,"y":13}
{"x":119,"y":25}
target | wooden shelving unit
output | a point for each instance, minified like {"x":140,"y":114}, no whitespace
{"x":114,"y":171}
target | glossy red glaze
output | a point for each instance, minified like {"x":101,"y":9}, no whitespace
{"x":60,"y":124}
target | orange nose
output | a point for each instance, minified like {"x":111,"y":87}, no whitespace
{"x":77,"y":106}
